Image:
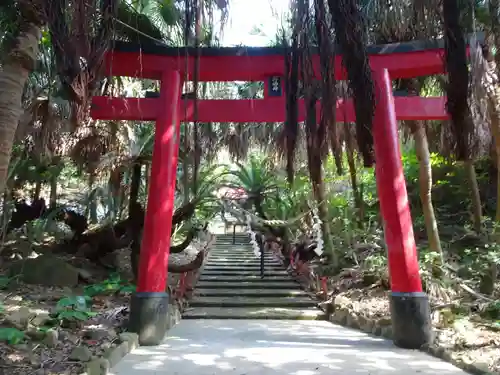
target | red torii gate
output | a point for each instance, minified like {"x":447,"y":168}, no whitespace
{"x":409,"y":304}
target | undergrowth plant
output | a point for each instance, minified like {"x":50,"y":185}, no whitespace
{"x":74,"y":308}
{"x":112,"y":285}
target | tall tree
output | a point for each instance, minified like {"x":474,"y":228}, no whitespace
{"x":457,"y":105}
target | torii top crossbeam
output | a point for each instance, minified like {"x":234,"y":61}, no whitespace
{"x":402,"y":60}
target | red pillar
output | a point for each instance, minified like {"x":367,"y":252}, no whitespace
{"x":149,"y":304}
{"x":409,"y":305}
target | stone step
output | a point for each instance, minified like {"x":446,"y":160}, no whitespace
{"x":249,"y":292}
{"x":238,"y":239}
{"x":236,"y":273}
{"x":233,"y":254}
{"x":239,"y":242}
{"x":223,"y":252}
{"x":231,"y":249}
{"x":242,"y":267}
{"x":243,"y":237}
{"x":238,"y":256}
{"x":260,"y":284}
{"x":216,"y":270}
{"x":243,"y":263}
{"x":242,"y":278}
{"x":245,"y":240}
{"x":230,"y":245}
{"x":230,"y":235}
{"x":252,"y":302}
{"x":268,"y":313}
{"x":238,"y":259}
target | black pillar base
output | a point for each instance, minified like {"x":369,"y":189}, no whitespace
{"x":411,"y":320}
{"x":148,"y":317}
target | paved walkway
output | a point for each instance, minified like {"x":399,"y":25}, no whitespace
{"x":232,"y":328}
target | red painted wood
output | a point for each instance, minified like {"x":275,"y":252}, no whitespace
{"x":391,"y":186}
{"x":257,"y":68}
{"x":258,"y":110}
{"x":155,"y":246}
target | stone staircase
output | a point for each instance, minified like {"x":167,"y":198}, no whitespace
{"x":230,"y":287}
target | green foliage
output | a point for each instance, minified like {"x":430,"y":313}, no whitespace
{"x":114,"y":284}
{"x":12,"y":336}
{"x":5,"y":281}
{"x":376,"y":265}
{"x":73,"y":308}
{"x":35,"y":230}
{"x":492,"y":311}
{"x":256,"y":177}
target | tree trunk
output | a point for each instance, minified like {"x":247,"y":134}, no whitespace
{"x":5,"y":215}
{"x":477,"y":212}
{"x":195,"y":264}
{"x":135,"y":184}
{"x":494,"y":97}
{"x":425,"y":183}
{"x":336,"y":150}
{"x":315,"y":168}
{"x":122,"y":193}
{"x":186,"y":163}
{"x":92,"y":208}
{"x":494,"y":110}
{"x":319,"y":194}
{"x":38,"y":190}
{"x":53,"y":192}
{"x":358,"y":195}
{"x":147,"y":171}
{"x":19,"y":62}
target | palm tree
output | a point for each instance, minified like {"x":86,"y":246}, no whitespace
{"x":19,"y":45}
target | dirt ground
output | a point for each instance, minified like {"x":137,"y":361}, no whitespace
{"x":43,"y":332}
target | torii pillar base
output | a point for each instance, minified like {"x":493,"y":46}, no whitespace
{"x":149,"y":317}
{"x":411,"y":320}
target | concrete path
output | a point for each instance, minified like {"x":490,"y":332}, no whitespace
{"x":277,"y":347}
{"x":241,"y":324}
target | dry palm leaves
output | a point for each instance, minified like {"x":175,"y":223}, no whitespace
{"x":89,"y":146}
{"x":80,"y":35}
{"x":43,"y":125}
{"x":328,"y":90}
{"x":351,"y":34}
{"x":236,"y":140}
